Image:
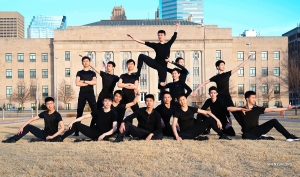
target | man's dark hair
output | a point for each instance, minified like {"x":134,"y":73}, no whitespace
{"x":219,"y":62}
{"x":181,"y":95}
{"x":161,"y":31}
{"x":49,"y":99}
{"x":166,"y":92}
{"x":112,"y":63}
{"x":212,"y":88}
{"x":108,"y":97}
{"x":176,"y":69}
{"x":178,"y":58}
{"x":149,"y":96}
{"x":130,"y":60}
{"x":85,"y":57}
{"x":249,"y":93}
{"x":118,"y":92}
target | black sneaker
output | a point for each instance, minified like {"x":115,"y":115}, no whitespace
{"x":76,"y":134}
{"x":201,"y":138}
{"x":36,"y":140}
{"x":118,"y":139}
{"x":9,"y":140}
{"x":79,"y":140}
{"x":266,"y":137}
{"x":249,"y":136}
{"x":292,"y":138}
{"x":133,"y":138}
{"x":57,"y":139}
{"x":224,"y":137}
{"x":206,"y":132}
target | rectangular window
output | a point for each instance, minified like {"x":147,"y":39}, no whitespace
{"x":67,"y":55}
{"x":253,"y":87}
{"x":45,"y":90}
{"x":44,"y":57}
{"x":9,"y":106}
{"x":142,"y":96}
{"x":32,"y":57}
{"x":264,"y":71}
{"x":264,"y":88}
{"x":8,"y":73}
{"x":240,"y":55}
{"x":276,"y":55}
{"x":218,"y":54}
{"x":32,"y":73}
{"x":276,"y":88}
{"x":20,"y":73}
{"x":8,"y":58}
{"x":252,"y":72}
{"x":264,"y":55}
{"x":253,"y":56}
{"x":265,"y":104}
{"x":32,"y":91}
{"x":241,"y":103}
{"x":241,"y":72}
{"x":20,"y":57}
{"x":67,"y":90}
{"x":277,"y":103}
{"x":241,"y":89}
{"x":276,"y":71}
{"x":21,"y":90}
{"x":68,"y":106}
{"x":44,"y":73}
{"x":32,"y":105}
{"x":67,"y":72}
{"x":8,"y":91}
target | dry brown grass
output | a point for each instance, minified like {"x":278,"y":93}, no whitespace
{"x":150,"y":158}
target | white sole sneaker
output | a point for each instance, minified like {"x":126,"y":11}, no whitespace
{"x":290,"y":140}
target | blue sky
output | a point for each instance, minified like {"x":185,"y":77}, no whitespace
{"x":269,"y":17}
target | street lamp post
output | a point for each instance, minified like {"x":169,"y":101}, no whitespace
{"x":37,"y":97}
{"x":248,"y":44}
{"x":56,"y":84}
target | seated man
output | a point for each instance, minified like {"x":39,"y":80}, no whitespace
{"x":179,"y":62}
{"x":166,"y":110}
{"x":249,"y":121}
{"x":51,"y":120}
{"x":218,"y":108}
{"x":188,"y":130}
{"x":105,"y":119}
{"x":149,"y":124}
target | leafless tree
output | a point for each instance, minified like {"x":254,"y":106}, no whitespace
{"x":267,"y":89}
{"x":21,"y":93}
{"x":66,"y":93}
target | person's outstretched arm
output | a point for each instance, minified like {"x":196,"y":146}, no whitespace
{"x":188,"y":89}
{"x":110,"y":132}
{"x":78,"y":120}
{"x":28,"y":122}
{"x":241,"y":65}
{"x":200,"y":86}
{"x":174,"y":128}
{"x":96,"y":70}
{"x":173,"y":38}
{"x":207,"y":113}
{"x":128,"y":105}
{"x":279,"y":109}
{"x":60,"y":131}
{"x":137,"y":40}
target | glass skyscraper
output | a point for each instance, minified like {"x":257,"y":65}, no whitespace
{"x":181,"y":9}
{"x":44,"y":26}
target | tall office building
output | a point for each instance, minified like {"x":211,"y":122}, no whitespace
{"x":11,"y":25}
{"x":44,"y":26}
{"x":191,"y":10}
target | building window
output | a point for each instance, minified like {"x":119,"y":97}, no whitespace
{"x":253,"y":87}
{"x":8,"y":58}
{"x":241,"y":72}
{"x":264,"y":88}
{"x":158,"y":97}
{"x":44,"y":57}
{"x":277,"y":103}
{"x":108,"y":56}
{"x":32,"y":91}
{"x":68,"y":90}
{"x":179,"y":54}
{"x":20,"y":73}
{"x":276,"y":71}
{"x":21,"y":90}
{"x":143,"y":81}
{"x":142,"y":96}
{"x":32,"y":57}
{"x":240,"y":55}
{"x":8,"y":91}
{"x":276,"y":88}
{"x":253,"y":56}
{"x":45,"y":90}
{"x":196,"y":69}
{"x":264,"y":55}
{"x":264,"y":71}
{"x":32,"y":105}
{"x":67,"y":72}
{"x":241,"y":89}
{"x":265,"y":104}
{"x":68,"y":106}
{"x":144,"y":74}
{"x":125,"y":56}
{"x":67,"y":55}
{"x":9,"y":106}
{"x":32,"y":73}
{"x":218,"y":54}
{"x":44,"y":73}
{"x":276,"y":55}
{"x":20,"y":57}
{"x":252,"y":71}
{"x":8,"y":73}
{"x":241,"y":103}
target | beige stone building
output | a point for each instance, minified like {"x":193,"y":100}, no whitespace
{"x":201,"y":46}
{"x":11,"y":25}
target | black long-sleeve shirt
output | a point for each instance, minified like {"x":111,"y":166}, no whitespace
{"x":218,"y":108}
{"x":183,"y":71}
{"x":150,"y":122}
{"x":162,"y":50}
{"x":177,"y":88}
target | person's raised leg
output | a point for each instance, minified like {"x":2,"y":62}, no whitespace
{"x":213,"y":125}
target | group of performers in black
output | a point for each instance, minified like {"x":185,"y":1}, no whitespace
{"x":107,"y":114}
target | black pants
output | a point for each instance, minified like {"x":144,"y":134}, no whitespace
{"x":129,"y":97}
{"x":90,"y":132}
{"x":226,"y":98}
{"x":229,"y":131}
{"x":35,"y":131}
{"x":162,"y":72}
{"x":167,"y":130}
{"x":82,"y":98}
{"x":199,"y":128}
{"x":101,"y":98}
{"x":138,"y":132}
{"x":266,"y":127}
